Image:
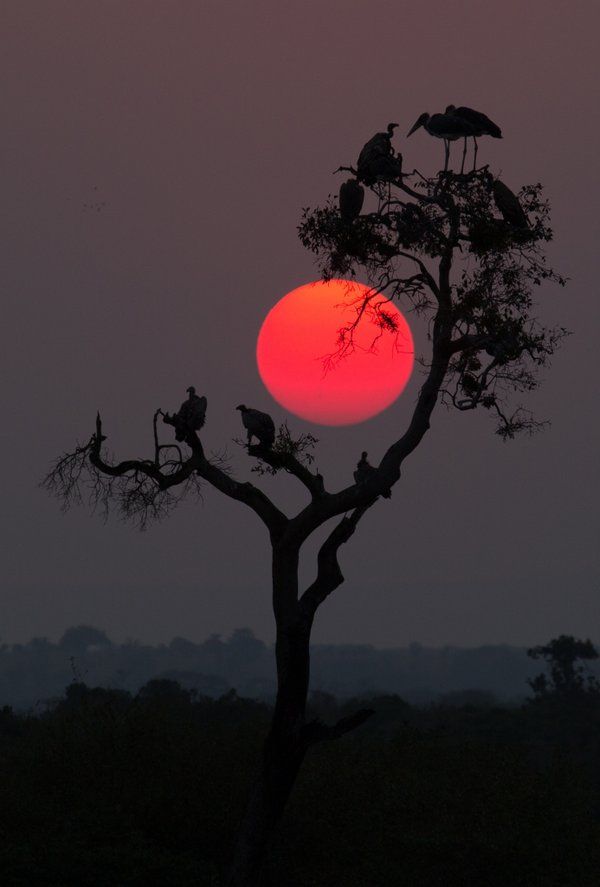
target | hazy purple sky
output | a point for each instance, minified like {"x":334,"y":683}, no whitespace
{"x":205,"y":128}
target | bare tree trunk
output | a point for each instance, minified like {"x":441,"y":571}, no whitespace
{"x":286,"y":743}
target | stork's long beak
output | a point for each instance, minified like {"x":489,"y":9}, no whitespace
{"x":415,"y":127}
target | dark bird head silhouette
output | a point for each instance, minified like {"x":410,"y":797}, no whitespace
{"x":420,"y":121}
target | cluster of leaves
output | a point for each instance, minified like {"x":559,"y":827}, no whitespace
{"x":443,"y":248}
{"x":284,"y":449}
{"x":568,"y":676}
{"x":343,"y":247}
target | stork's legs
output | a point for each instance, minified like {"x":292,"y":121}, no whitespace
{"x":462,"y":166}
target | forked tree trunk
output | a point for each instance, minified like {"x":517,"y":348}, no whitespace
{"x":285,"y":745}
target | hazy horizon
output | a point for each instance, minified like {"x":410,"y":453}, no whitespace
{"x":203,"y":634}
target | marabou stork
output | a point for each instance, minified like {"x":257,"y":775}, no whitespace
{"x":377,"y":160}
{"x":482,"y":126}
{"x":190,"y":416}
{"x":508,"y":205}
{"x":444,"y":126}
{"x":352,"y":196}
{"x":259,"y":425}
{"x":365,"y":471}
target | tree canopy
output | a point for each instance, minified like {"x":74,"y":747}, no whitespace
{"x":443,"y":247}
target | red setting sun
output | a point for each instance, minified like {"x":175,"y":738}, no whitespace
{"x":302,"y":329}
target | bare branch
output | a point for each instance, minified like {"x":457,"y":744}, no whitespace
{"x":259,"y":502}
{"x":312,"y":481}
{"x":427,"y":277}
{"x":329,"y":573}
{"x":317,"y":731}
{"x":289,"y":454}
{"x":142,"y":489}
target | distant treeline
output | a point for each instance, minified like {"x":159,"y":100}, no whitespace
{"x":108,"y":788}
{"x":35,"y":673}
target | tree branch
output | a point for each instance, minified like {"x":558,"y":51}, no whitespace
{"x":361,"y":496}
{"x":317,"y":731}
{"x":329,"y":573}
{"x":464,"y":343}
{"x":427,"y":276}
{"x":312,"y":481}
{"x":259,"y":502}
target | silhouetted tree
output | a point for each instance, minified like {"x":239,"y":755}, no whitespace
{"x":78,"y":639}
{"x":244,"y":645}
{"x":438,"y":245}
{"x":568,"y":677}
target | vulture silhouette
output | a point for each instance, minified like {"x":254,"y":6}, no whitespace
{"x":352,"y":196}
{"x":365,"y":471}
{"x":508,"y":205}
{"x":377,"y":161}
{"x":190,"y":416}
{"x":259,"y":425}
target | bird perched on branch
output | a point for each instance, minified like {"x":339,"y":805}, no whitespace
{"x":508,"y":205}
{"x":365,"y":471}
{"x":190,"y":416}
{"x":378,"y":161}
{"x":352,"y":196}
{"x":443,"y":126}
{"x":259,"y":425}
{"x":482,"y":126}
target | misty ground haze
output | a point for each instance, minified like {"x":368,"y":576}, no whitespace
{"x":35,"y":675}
{"x":156,"y":158}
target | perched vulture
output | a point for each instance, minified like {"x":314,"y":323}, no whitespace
{"x":364,"y":472}
{"x":509,"y":206}
{"x":377,"y":160}
{"x":259,"y":425}
{"x":190,"y":416}
{"x":352,"y":196}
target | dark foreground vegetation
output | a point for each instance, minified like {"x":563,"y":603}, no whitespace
{"x":110,"y":789}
